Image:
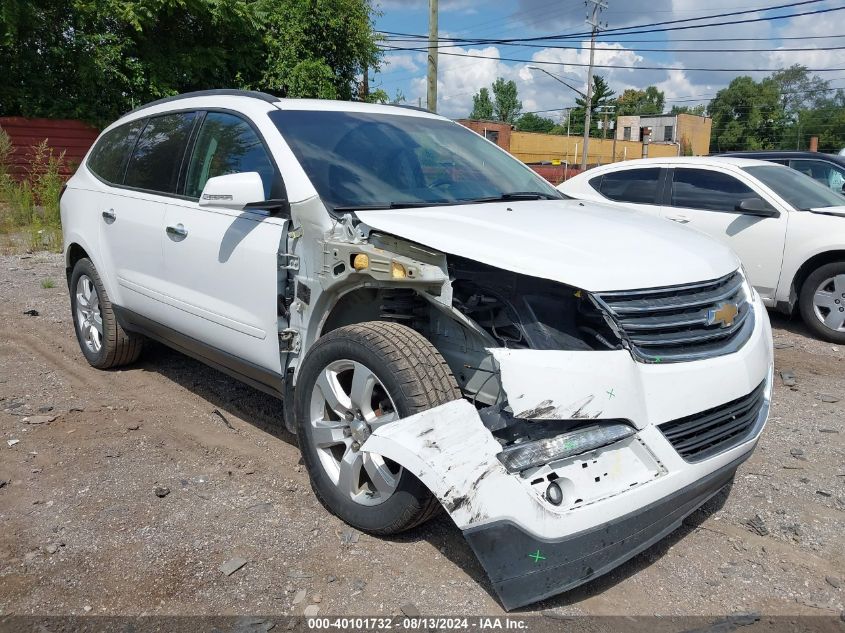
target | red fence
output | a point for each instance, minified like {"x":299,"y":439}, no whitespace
{"x":72,"y":137}
{"x":555,"y":174}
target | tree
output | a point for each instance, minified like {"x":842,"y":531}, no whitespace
{"x":647,"y":102}
{"x":506,"y":103}
{"x":530,"y":122}
{"x":799,"y":90}
{"x":602,"y":96}
{"x":317,"y":48}
{"x":96,"y":59}
{"x":697,"y":110}
{"x":482,"y":106}
{"x":826,"y":120}
{"x":747,"y":115}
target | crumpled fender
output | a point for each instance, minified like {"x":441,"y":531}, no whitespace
{"x":434,"y":446}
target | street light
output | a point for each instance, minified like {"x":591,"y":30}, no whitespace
{"x":587,"y":108}
{"x":556,"y":78}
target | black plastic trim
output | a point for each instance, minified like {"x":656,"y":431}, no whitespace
{"x":245,"y":371}
{"x":504,"y":549}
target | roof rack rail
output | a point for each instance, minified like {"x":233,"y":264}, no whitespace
{"x":254,"y":94}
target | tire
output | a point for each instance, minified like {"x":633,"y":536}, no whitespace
{"x":829,"y":281}
{"x":408,"y":375}
{"x":108,"y":345}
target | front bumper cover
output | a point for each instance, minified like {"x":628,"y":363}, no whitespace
{"x":525,"y":569}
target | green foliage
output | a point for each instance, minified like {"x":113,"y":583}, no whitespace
{"x":47,"y":283}
{"x":506,"y":103}
{"x":530,"y":122}
{"x":32,"y":204}
{"x":96,"y":59}
{"x":317,"y":48}
{"x":747,"y":115}
{"x":697,"y":110}
{"x":825,"y":120}
{"x":482,"y":106}
{"x":645,"y":102}
{"x":601,"y":95}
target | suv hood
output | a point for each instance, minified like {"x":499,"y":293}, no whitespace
{"x":584,"y":244}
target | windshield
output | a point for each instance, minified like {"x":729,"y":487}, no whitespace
{"x":359,"y":160}
{"x":801,"y":191}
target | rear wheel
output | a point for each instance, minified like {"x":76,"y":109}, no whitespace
{"x":103,"y":342}
{"x":822,"y":302}
{"x":353,"y":381}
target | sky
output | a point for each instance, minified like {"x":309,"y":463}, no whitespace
{"x":459,"y":78}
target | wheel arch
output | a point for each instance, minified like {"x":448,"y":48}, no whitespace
{"x":73,"y":253}
{"x":804,"y":271}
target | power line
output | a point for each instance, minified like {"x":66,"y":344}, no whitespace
{"x":694,"y":39}
{"x":632,"y":30}
{"x":611,"y":66}
{"x":648,"y":50}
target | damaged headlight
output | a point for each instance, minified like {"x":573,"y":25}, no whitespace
{"x":519,"y":457}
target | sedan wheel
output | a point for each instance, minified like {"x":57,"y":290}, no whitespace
{"x":829,"y":303}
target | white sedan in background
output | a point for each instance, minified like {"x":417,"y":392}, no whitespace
{"x":788,"y":230}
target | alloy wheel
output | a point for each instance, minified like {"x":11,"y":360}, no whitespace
{"x":89,"y":320}
{"x":348,"y":403}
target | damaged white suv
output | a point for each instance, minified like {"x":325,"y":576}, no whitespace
{"x":443,"y":327}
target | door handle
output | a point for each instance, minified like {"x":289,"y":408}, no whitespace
{"x":178,"y":232}
{"x":680,"y":219}
{"x":109,"y":216}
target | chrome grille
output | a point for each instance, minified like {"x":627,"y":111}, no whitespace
{"x":674,"y":324}
{"x":705,"y":434}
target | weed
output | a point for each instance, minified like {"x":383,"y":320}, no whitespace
{"x":48,"y":283}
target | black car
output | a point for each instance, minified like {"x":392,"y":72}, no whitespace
{"x":828,"y":169}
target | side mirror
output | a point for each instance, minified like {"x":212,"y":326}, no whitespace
{"x":232,"y":191}
{"x":758,"y":207}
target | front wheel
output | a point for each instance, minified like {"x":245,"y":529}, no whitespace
{"x":353,"y":381}
{"x":822,"y":302}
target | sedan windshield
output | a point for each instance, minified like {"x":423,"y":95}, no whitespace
{"x":801,"y":191}
{"x":360,"y":160}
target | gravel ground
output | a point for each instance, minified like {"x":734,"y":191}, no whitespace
{"x":84,"y":529}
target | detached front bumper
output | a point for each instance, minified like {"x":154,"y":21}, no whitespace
{"x":549,"y":567}
{"x":618,"y":499}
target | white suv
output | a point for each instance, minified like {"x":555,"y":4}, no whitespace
{"x":442,"y":326}
{"x":788,"y":229}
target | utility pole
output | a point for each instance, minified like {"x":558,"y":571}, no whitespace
{"x":431,"y":102}
{"x":593,"y":21}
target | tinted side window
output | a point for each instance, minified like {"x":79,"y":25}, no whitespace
{"x":709,"y":190}
{"x":826,"y":173}
{"x":630,"y":185}
{"x":158,"y":154}
{"x":227,"y":144}
{"x":109,"y":158}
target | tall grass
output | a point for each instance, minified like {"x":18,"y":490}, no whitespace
{"x":30,"y":204}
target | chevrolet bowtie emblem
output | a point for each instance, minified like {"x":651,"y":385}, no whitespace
{"x":724,"y":315}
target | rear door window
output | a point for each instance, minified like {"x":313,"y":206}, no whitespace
{"x":109,"y":158}
{"x":638,"y":186}
{"x":826,"y":173}
{"x":708,"y":190}
{"x":227,"y":144}
{"x":155,"y":163}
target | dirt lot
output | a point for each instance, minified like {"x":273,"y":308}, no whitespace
{"x":83,"y":530}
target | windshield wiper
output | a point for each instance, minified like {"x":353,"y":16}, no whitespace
{"x":518,"y":195}
{"x":381,"y":206}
